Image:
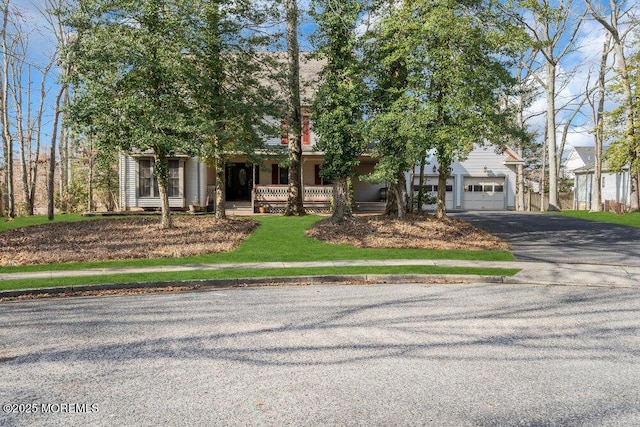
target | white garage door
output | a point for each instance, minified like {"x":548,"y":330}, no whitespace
{"x":484,"y":194}
{"x":431,"y":189}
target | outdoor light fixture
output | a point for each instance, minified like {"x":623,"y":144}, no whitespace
{"x":434,"y":169}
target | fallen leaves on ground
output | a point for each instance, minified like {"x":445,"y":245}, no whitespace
{"x":420,"y":232}
{"x":121,"y":238}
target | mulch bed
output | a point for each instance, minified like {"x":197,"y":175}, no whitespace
{"x":124,"y":238}
{"x":420,"y":232}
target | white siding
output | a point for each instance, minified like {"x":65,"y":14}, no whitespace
{"x":482,"y":162}
{"x":193,"y":181}
{"x":615,"y":186}
{"x":128,"y":170}
{"x":128,"y":185}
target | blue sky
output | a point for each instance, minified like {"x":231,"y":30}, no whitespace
{"x":584,"y":59}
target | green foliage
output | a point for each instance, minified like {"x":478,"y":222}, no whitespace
{"x":231,"y":80}
{"x":129,"y":65}
{"x":438,"y":72}
{"x":338,"y":107}
{"x":106,"y":179}
{"x":128,"y":73}
{"x":75,"y":199}
{"x":624,"y":149}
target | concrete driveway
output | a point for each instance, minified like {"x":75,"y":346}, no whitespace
{"x":557,"y":239}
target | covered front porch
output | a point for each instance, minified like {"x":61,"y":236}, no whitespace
{"x":264,"y":188}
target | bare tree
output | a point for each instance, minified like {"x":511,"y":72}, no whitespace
{"x":527,"y":92}
{"x":554,"y":30}
{"x":596,"y":98}
{"x":53,"y":16}
{"x":612,"y":21}
{"x":294,"y":120}
{"x":7,"y":139}
{"x":27,"y":123}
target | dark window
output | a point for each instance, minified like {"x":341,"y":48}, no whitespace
{"x":173,"y":184}
{"x":284,"y":176}
{"x":148,"y":184}
{"x":477,"y":188}
{"x":145,"y":178}
{"x":498,"y":188}
{"x":449,"y":188}
{"x":488,"y":188}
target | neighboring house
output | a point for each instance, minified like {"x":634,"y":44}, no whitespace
{"x":486,"y":180}
{"x":615,"y":187}
{"x":577,"y":158}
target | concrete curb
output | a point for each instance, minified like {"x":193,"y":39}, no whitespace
{"x":257,"y":282}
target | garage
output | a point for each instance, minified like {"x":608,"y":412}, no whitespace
{"x":487,"y":193}
{"x":431,"y":189}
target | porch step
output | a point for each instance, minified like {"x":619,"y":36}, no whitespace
{"x":370,"y":207}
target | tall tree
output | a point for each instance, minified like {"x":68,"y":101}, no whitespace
{"x":231,"y":84}
{"x":129,"y":66}
{"x":596,"y":99}
{"x":554,"y":31}
{"x":396,"y":120}
{"x":338,"y":107}
{"x":294,"y":116}
{"x":7,"y":138}
{"x":446,"y":77}
{"x":526,"y":92}
{"x":627,"y":149}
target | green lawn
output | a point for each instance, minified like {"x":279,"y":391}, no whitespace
{"x":277,"y":239}
{"x":628,"y":219}
{"x":250,"y":273}
{"x":283,"y":239}
{"x":25,"y":221}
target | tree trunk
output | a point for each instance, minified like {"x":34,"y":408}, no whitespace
{"x":443,"y":174}
{"x":6,"y":135}
{"x":596,"y":206}
{"x":423,"y":163}
{"x":221,"y":170}
{"x":90,"y":178}
{"x":295,"y":200}
{"x":412,"y":177}
{"x":52,"y":155}
{"x":551,"y":135}
{"x":543,"y":168}
{"x":341,"y":203}
{"x":520,"y":200}
{"x":391,"y":206}
{"x":161,"y":172}
{"x":401,"y":195}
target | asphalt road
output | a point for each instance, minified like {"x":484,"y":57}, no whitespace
{"x":384,"y":355}
{"x":551,"y":238}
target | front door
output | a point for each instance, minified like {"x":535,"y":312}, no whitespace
{"x":239,"y":182}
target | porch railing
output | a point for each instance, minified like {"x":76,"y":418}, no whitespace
{"x":274,"y":197}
